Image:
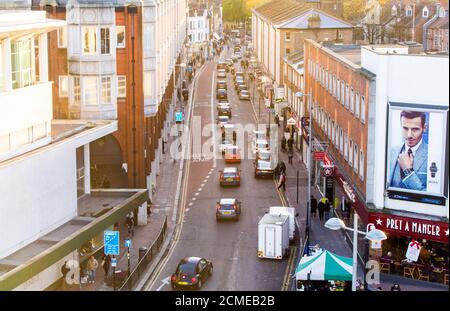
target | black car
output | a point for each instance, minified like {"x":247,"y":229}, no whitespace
{"x":221,"y":94}
{"x":191,"y":272}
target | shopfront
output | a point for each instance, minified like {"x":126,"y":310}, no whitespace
{"x":426,"y":237}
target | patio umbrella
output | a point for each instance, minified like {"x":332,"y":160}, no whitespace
{"x":325,"y":266}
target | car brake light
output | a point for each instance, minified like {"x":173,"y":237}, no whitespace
{"x":194,"y":280}
{"x":174,"y":278}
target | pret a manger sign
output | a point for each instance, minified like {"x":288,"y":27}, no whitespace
{"x":415,"y":228}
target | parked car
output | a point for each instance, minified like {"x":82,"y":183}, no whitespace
{"x":263,"y":169}
{"x":228,"y":209}
{"x":244,"y":95}
{"x":221,"y":66}
{"x":242,"y":87}
{"x":230,"y":176}
{"x":232,"y":154}
{"x":191,"y":272}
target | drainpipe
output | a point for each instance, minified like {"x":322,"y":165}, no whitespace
{"x":132,"y":9}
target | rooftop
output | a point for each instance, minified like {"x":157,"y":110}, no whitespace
{"x":349,"y":51}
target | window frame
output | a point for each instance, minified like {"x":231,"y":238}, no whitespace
{"x":357,"y":104}
{"x":363,"y":109}
{"x":121,"y":90}
{"x":120,"y":29}
{"x":63,"y":80}
{"x":92,"y":39}
{"x":62,"y":32}
{"x":361,"y":165}
{"x":286,"y":35}
{"x":355,"y":159}
{"x":104,"y":81}
{"x":105,"y":42}
{"x":352,"y":100}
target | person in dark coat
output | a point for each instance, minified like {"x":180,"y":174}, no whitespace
{"x":283,"y":143}
{"x":106,"y":264}
{"x":282,"y":168}
{"x":395,"y":288}
{"x":327,"y":209}
{"x":321,"y":208}
{"x":313,"y":206}
{"x":290,"y":155}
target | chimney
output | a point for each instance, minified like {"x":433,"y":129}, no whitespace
{"x":314,"y":21}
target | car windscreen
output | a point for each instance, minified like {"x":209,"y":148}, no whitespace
{"x":264,"y":165}
{"x":186,"y":267}
{"x":228,"y":207}
{"x":223,"y":118}
{"x":229,"y":175}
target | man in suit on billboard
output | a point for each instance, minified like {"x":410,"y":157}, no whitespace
{"x":408,"y":167}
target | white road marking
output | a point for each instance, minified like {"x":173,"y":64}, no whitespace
{"x":197,"y":194}
{"x":207,"y":177}
{"x":187,"y":210}
{"x":205,"y":180}
{"x":202,"y":185}
{"x":165,"y":281}
{"x":200,"y":189}
{"x":193,"y":199}
{"x":190,"y":204}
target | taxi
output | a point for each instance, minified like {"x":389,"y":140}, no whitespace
{"x":232,"y":154}
{"x":263,"y":169}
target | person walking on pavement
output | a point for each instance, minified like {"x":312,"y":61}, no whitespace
{"x":277,"y":120}
{"x":328,"y":211}
{"x":290,"y":156}
{"x":130,"y":225}
{"x":290,"y":143}
{"x":92,"y":266}
{"x":321,"y":208}
{"x":282,"y":182}
{"x":64,"y":270}
{"x":106,"y":264}
{"x":313,"y":206}
{"x":396,"y":288}
{"x":283,"y":144}
{"x":282,"y":168}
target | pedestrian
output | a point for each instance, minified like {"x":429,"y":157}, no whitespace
{"x":396,"y":288}
{"x":64,"y":270}
{"x":290,"y":156}
{"x":106,"y":264}
{"x":92,"y":266}
{"x":348,"y":210}
{"x":290,"y":143}
{"x":326,"y":210}
{"x":277,"y":120}
{"x":282,"y":182}
{"x":321,"y":208}
{"x":313,"y":206}
{"x":282,"y":168}
{"x":130,"y":225}
{"x":283,"y":144}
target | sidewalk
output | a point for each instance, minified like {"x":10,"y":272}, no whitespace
{"x":333,"y":241}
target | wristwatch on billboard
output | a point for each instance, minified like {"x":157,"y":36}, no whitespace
{"x":433,"y":169}
{"x":408,"y":171}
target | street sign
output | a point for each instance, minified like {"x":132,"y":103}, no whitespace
{"x":291,"y":121}
{"x":128,"y":243}
{"x":113,"y":262}
{"x":319,"y":155}
{"x":328,"y":170}
{"x":178,"y":116}
{"x":111,"y":242}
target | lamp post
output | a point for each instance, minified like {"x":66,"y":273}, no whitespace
{"x":308,"y":214}
{"x":371,"y":234}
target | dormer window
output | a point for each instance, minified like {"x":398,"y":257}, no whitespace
{"x":425,"y":12}
{"x":409,"y":11}
{"x":394,"y":10}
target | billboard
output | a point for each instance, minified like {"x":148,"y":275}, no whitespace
{"x":417,"y":158}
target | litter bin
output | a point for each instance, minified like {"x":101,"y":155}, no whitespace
{"x":142,"y":252}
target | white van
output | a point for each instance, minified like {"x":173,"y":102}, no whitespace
{"x":286,"y":211}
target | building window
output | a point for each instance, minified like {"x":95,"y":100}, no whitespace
{"x":1,"y":69}
{"x":63,"y":83}
{"x":105,"y":41}
{"x":361,"y":165}
{"x":121,"y":86}
{"x":409,"y":11}
{"x":5,"y":144}
{"x":333,"y":132}
{"x":106,"y":90}
{"x":347,"y":96}
{"x":338,"y":90}
{"x":287,"y":36}
{"x":350,"y":153}
{"x":287,"y":51}
{"x":89,"y":40}
{"x":352,"y":100}
{"x":355,"y":159}
{"x":120,"y":37}
{"x":342,"y":92}
{"x":357,"y":105}
{"x":76,"y":90}
{"x":346,"y":146}
{"x":90,"y":91}
{"x":62,"y":37}
{"x":147,"y":84}
{"x":341,"y":141}
{"x":425,"y":12}
{"x":340,"y":36}
{"x":363,"y":109}
{"x":21,"y":63}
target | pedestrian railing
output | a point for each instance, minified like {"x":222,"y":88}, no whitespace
{"x":144,"y":260}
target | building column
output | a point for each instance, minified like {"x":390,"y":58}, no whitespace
{"x":87,"y":170}
{"x":142,"y":214}
{"x":43,"y":58}
{"x":6,"y":61}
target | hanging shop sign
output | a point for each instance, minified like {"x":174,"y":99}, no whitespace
{"x":411,"y":227}
{"x":413,"y":251}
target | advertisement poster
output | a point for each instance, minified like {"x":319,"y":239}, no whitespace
{"x":415,"y":157}
{"x":413,"y":252}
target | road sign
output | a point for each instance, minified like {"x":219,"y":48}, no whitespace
{"x":113,"y":262}
{"x":111,"y":242}
{"x":319,"y":155}
{"x":328,"y":170}
{"x":178,"y":116}
{"x":128,"y":243}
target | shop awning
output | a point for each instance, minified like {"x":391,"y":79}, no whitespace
{"x":324,"y":266}
{"x":216,"y":36}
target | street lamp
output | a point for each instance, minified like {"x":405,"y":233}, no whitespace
{"x":308,"y":215}
{"x":371,"y":234}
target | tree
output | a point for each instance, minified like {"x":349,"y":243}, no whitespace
{"x":239,"y":10}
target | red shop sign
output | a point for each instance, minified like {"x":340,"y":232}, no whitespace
{"x":411,"y":227}
{"x":319,"y":155}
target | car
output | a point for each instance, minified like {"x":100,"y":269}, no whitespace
{"x":224,"y":111}
{"x":232,"y":154}
{"x":221,"y":66}
{"x":222,"y":120}
{"x":221,"y":74}
{"x":221,"y":84}
{"x":257,"y":135}
{"x":191,"y":272}
{"x":222,"y":102}
{"x":263,"y":154}
{"x":242,"y":87}
{"x":225,"y":142}
{"x":229,"y":62}
{"x":244,"y":95}
{"x":260,"y":144}
{"x":222,"y":94}
{"x":230,"y":176}
{"x":237,"y":49}
{"x":234,"y":58}
{"x":263,"y":169}
{"x":228,"y":209}
{"x":238,"y":55}
{"x":239,"y":74}
{"x":239,"y":83}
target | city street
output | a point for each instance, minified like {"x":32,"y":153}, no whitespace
{"x":231,"y":246}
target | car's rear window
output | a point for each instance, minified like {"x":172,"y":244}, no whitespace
{"x":227,"y":207}
{"x":187,"y":267}
{"x":229,"y":175}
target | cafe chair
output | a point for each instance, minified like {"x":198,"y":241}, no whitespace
{"x":408,"y":272}
{"x":421,"y":276}
{"x":385,"y":267}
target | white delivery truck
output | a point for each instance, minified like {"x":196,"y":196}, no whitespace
{"x":287,"y":211}
{"x":273,"y":236}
